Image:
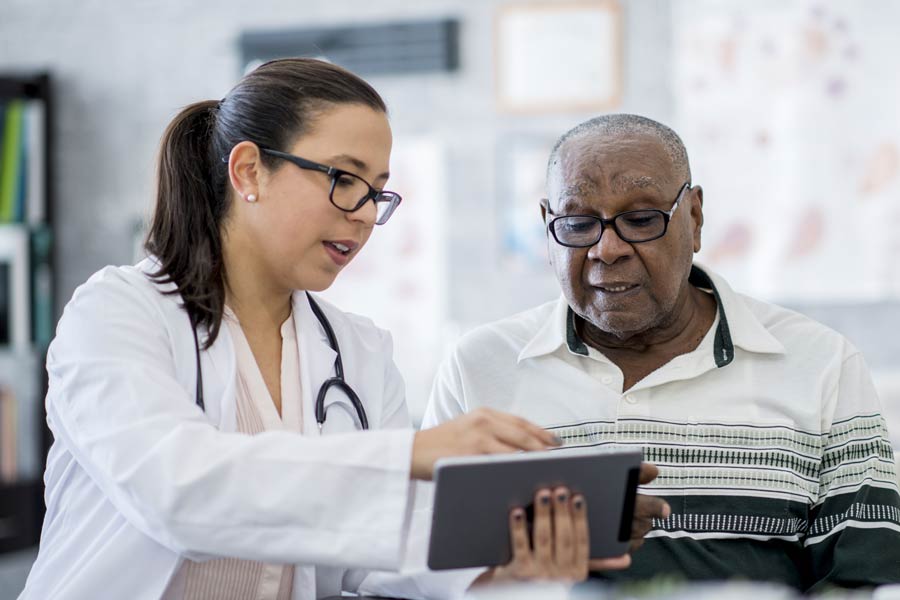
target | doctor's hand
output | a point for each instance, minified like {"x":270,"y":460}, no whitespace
{"x":646,"y":508}
{"x":482,"y":431}
{"x":559,"y":546}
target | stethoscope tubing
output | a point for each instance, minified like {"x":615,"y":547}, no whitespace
{"x":337,"y":381}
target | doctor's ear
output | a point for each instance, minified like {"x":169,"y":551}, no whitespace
{"x":244,"y":170}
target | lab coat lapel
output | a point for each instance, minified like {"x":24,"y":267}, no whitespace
{"x":219,"y":365}
{"x":316,"y":358}
{"x":217,"y":362}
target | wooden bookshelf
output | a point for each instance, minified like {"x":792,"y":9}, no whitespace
{"x":27,"y":311}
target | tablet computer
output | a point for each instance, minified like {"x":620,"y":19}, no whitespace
{"x":473,"y":497}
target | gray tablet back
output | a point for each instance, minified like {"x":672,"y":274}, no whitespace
{"x":474,"y":495}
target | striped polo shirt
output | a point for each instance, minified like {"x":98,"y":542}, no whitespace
{"x":772,"y":448}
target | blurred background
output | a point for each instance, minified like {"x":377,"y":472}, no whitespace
{"x":789,"y":111}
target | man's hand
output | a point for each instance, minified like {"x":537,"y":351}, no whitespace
{"x":646,"y":508}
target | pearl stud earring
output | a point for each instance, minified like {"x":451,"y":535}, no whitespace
{"x":250,"y":198}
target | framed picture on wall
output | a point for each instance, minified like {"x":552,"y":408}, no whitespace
{"x":558,"y":56}
{"x":521,"y":174}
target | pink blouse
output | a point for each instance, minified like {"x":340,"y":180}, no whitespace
{"x":234,"y":578}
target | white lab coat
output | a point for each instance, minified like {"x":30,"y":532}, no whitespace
{"x":139,"y":478}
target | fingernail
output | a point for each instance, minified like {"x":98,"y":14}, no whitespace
{"x":578,"y":503}
{"x":517,"y":516}
{"x":562,"y":497}
{"x":545,"y":499}
{"x":666,"y":511}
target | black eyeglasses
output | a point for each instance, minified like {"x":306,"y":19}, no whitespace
{"x":349,"y":192}
{"x":632,"y":226}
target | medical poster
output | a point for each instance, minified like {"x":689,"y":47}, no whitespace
{"x":558,"y":56}
{"x":789,"y":113}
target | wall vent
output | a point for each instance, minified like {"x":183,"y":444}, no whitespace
{"x":395,"y":48}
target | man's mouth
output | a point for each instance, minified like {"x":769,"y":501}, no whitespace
{"x":616,"y":287}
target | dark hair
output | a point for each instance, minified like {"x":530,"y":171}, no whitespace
{"x":270,"y":106}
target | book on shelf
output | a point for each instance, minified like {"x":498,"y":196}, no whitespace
{"x":42,"y":323}
{"x":9,"y":437}
{"x":21,"y":416}
{"x":22,"y":161}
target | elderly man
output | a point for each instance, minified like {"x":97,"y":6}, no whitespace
{"x":772,"y":450}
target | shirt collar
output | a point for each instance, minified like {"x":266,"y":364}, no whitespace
{"x":737,"y":325}
{"x":552,"y":334}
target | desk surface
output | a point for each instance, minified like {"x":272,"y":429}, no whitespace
{"x":661,"y":591}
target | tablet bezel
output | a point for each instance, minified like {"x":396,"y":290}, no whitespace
{"x":473,"y":497}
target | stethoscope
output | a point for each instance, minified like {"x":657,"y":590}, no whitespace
{"x":337,"y":381}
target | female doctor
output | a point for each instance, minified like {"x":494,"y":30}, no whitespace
{"x":205,"y":406}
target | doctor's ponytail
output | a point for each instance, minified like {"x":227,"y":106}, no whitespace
{"x":271,"y":106}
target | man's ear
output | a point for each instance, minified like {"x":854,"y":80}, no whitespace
{"x":695,"y":196}
{"x":545,"y":208}
{"x":244,"y":165}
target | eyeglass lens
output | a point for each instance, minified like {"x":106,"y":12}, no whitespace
{"x":634,"y":226}
{"x":350,"y":193}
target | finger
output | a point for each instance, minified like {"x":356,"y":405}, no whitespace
{"x":542,"y":536}
{"x":650,"y":507}
{"x":635,"y":544}
{"x":518,"y":537}
{"x":610,"y":564}
{"x":582,"y":538}
{"x":518,"y":437}
{"x":649,"y":472}
{"x":646,"y":509}
{"x":563,"y":532}
{"x":640,"y":528}
{"x":546,"y":438}
{"x":493,"y":446}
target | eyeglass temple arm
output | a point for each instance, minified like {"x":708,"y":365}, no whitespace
{"x":302,"y":162}
{"x":686,"y":186}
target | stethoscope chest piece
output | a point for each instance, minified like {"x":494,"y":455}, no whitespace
{"x":343,"y":386}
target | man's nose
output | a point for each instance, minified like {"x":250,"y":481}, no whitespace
{"x":610,"y":247}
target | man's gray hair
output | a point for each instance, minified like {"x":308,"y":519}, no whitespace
{"x":615,"y":125}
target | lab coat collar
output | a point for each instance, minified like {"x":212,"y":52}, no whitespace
{"x":220,"y":367}
{"x":737,"y":326}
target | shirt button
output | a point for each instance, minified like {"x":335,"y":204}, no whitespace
{"x":631,"y":399}
{"x":606,"y":379}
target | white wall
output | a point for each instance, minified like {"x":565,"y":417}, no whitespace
{"x":123,"y":69}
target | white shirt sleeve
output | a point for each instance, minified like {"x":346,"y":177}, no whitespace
{"x":447,"y":400}
{"x":415,"y":581}
{"x":115,"y":404}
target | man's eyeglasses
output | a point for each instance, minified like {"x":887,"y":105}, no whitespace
{"x":349,"y":192}
{"x":633,"y":226}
